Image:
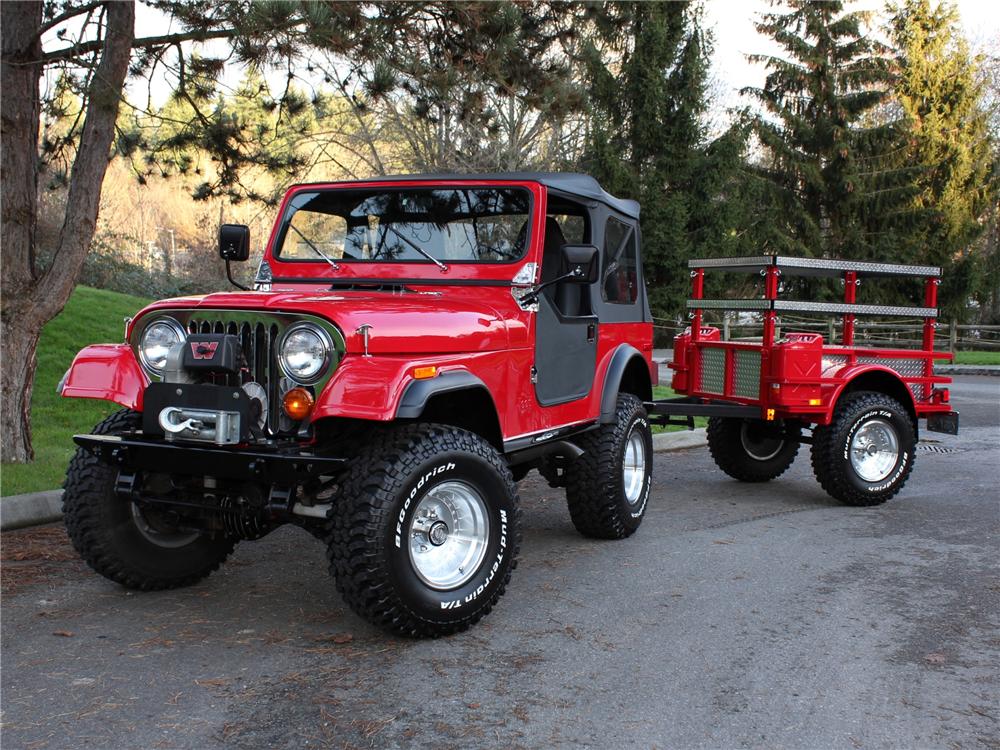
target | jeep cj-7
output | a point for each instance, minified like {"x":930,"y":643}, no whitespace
{"x":412,"y":347}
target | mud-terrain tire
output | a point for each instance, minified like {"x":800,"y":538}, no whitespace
{"x":607,"y":487}
{"x":106,"y":531}
{"x":865,"y":455}
{"x":744,"y":449}
{"x":393,"y":550}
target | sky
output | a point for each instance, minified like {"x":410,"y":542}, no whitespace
{"x":732,"y":22}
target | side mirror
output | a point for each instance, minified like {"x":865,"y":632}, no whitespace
{"x":580,"y":263}
{"x":234,"y":242}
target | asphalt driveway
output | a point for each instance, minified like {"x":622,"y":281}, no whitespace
{"x":738,"y":616}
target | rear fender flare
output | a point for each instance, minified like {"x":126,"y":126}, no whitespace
{"x":624,"y":356}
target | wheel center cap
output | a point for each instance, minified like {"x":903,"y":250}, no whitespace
{"x":438,"y":533}
{"x":872,"y":449}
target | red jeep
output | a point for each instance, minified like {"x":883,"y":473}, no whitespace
{"x":412,"y":347}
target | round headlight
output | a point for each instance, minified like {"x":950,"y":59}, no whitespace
{"x":156,"y":341}
{"x":305,"y":351}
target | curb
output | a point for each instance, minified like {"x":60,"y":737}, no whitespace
{"x":35,"y":508}
{"x":676,"y":441}
{"x":993,"y":370}
{"x":32,"y":509}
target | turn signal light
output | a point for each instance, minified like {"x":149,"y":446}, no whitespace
{"x":420,"y":373}
{"x":298,"y":403}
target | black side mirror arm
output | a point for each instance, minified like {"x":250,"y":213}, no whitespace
{"x":532,"y":297}
{"x":234,"y":282}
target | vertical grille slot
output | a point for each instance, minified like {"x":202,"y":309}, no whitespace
{"x":259,"y":334}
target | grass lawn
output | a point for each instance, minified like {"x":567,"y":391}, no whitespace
{"x":977,"y":358}
{"x":92,"y":316}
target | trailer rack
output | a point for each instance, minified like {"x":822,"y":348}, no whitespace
{"x":799,"y":376}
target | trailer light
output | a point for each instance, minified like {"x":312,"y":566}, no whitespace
{"x":298,"y":403}
{"x":421,"y":373}
{"x":770,"y":415}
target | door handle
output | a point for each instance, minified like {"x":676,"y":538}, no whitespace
{"x":591,"y":332}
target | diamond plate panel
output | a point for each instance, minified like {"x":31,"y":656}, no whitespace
{"x":747,"y":373}
{"x":753,"y":263}
{"x":729,"y":304}
{"x":862,"y":268}
{"x":843,"y":308}
{"x":713,"y":370}
{"x":908,"y":368}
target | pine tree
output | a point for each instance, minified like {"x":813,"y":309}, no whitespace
{"x":834,"y":190}
{"x":648,"y":70}
{"x":947,"y":133}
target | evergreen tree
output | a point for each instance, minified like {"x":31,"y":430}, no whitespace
{"x":834,"y":190}
{"x":947,"y":134}
{"x":648,"y":69}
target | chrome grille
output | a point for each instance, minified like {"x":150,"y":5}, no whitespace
{"x":258,"y":341}
{"x":260,"y":333}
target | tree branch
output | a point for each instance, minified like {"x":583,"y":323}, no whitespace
{"x":68,"y":53}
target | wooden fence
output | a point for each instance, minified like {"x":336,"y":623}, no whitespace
{"x":905,"y":334}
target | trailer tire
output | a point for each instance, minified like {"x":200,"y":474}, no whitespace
{"x":607,"y":488}
{"x":744,"y":450}
{"x":403,"y":496}
{"x":117,"y":540}
{"x":866,"y":453}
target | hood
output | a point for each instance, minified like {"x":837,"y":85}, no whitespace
{"x":410,"y":323}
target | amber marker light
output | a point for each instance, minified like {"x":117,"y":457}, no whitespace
{"x":297,"y":403}
{"x":421,"y":373}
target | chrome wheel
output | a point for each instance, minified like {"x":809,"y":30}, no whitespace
{"x":634,"y":466}
{"x":448,"y":535}
{"x":161,"y":537}
{"x":874,"y":450}
{"x":759,"y":447}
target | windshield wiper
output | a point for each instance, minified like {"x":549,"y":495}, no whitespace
{"x":320,"y":253}
{"x":416,"y":247}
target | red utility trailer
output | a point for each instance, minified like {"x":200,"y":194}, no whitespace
{"x":860,"y":405}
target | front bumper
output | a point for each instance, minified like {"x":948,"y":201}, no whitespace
{"x":269,"y":466}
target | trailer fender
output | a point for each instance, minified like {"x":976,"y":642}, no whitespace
{"x":109,"y":372}
{"x":628,"y":369}
{"x":874,"y":378}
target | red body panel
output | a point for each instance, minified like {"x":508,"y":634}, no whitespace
{"x":109,"y":372}
{"x":473,"y":324}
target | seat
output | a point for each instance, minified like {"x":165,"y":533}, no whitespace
{"x":566,"y":297}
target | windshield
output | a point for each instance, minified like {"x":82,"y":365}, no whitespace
{"x":425,"y":225}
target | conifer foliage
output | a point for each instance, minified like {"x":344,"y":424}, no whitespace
{"x":648,"y":68}
{"x":833,"y":192}
{"x":947,"y":135}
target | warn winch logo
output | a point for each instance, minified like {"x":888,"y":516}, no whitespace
{"x":204,"y":349}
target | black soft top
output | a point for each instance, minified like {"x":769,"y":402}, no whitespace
{"x":581,"y":185}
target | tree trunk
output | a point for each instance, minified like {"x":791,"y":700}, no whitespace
{"x":29,"y":301}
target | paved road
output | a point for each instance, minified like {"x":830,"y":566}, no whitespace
{"x":738,"y":616}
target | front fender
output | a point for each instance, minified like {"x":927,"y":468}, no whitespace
{"x":109,"y":372}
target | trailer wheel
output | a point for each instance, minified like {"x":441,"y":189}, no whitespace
{"x":752,"y":450}
{"x":425,"y":531}
{"x":865,"y":455}
{"x":136,"y":548}
{"x":607,"y":487}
